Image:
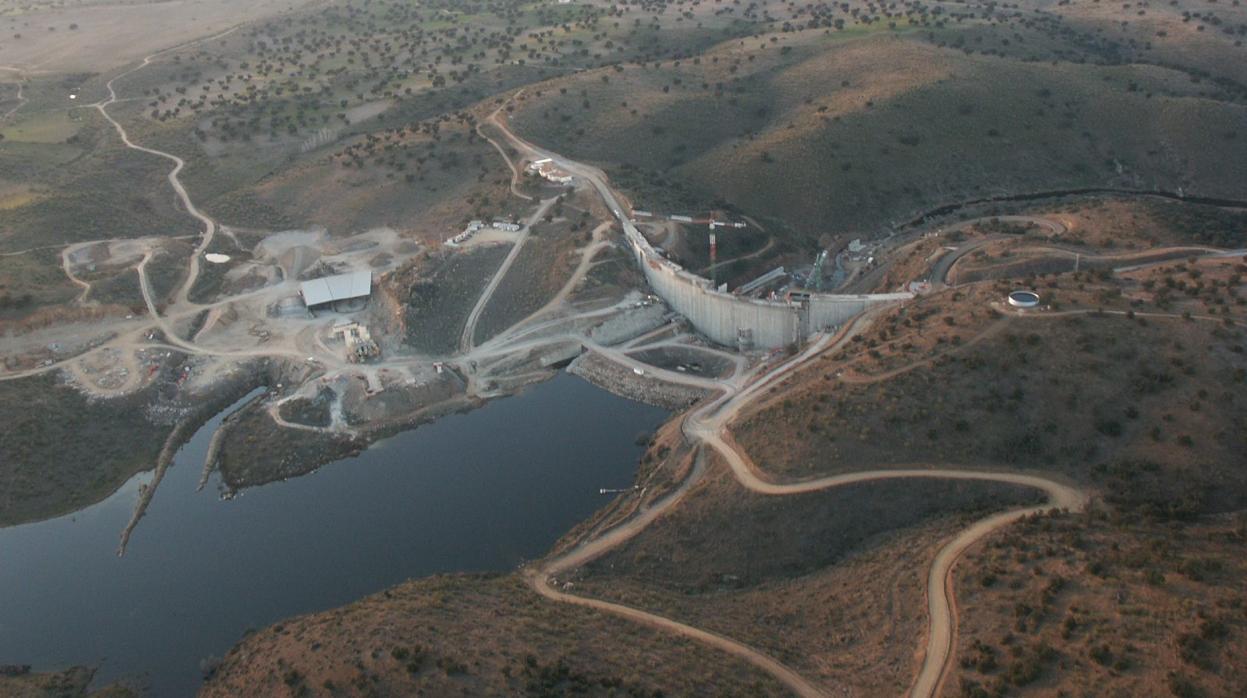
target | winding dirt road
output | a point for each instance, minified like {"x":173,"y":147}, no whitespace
{"x":21,"y":102}
{"x":209,"y":225}
{"x":708,"y":426}
{"x":515,"y":173}
{"x":174,"y":181}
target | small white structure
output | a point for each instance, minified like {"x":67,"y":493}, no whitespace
{"x":468,"y":232}
{"x":1024,"y":299}
{"x":506,"y":226}
{"x":551,"y":172}
{"x":328,"y":290}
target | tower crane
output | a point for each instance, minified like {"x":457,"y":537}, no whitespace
{"x":711,"y":223}
{"x":816,"y":274}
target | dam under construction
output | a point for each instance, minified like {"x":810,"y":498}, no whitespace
{"x":739,"y":321}
{"x":727,"y":319}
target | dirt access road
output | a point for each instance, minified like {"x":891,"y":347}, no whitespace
{"x":209,"y":225}
{"x":469,"y":328}
{"x":708,"y":427}
{"x":294,"y":339}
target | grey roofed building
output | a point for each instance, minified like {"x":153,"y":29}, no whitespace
{"x":339,"y":287}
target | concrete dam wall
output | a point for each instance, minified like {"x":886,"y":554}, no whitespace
{"x":737,"y":321}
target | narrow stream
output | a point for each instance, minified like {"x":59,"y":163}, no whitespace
{"x":478,"y":491}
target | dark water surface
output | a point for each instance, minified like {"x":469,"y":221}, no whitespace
{"x":479,"y":491}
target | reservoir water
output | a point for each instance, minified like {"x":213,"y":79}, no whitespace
{"x":479,"y":491}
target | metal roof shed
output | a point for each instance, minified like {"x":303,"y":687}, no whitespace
{"x":339,"y":287}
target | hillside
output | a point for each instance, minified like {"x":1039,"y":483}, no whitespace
{"x":474,"y":635}
{"x":854,"y":131}
{"x":1146,"y":407}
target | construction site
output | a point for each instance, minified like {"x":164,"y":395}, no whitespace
{"x":628,"y":348}
{"x":779,"y":308}
{"x":380,"y":327}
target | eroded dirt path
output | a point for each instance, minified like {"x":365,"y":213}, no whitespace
{"x":67,"y":267}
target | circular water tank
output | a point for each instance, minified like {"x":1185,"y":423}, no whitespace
{"x":1024,"y":299}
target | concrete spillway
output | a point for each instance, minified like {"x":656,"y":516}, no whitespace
{"x":742,"y":322}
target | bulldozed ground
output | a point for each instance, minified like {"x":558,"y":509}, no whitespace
{"x":437,"y":295}
{"x":540,"y":270}
{"x":84,"y":35}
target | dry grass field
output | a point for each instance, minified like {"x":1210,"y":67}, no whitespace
{"x":89,"y":189}
{"x":856,"y":131}
{"x":75,"y":681}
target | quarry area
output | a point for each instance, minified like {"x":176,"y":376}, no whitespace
{"x":954,"y":360}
